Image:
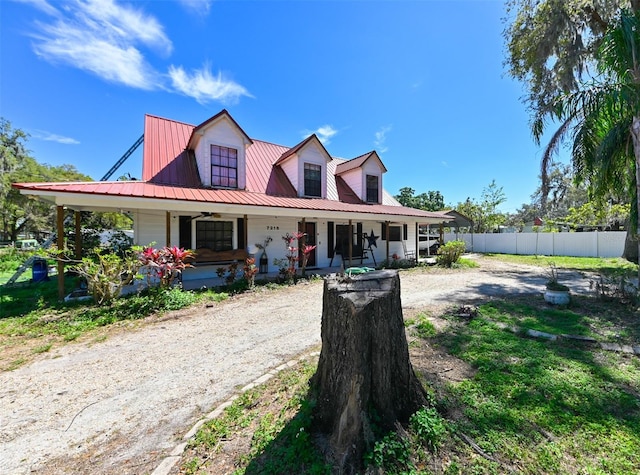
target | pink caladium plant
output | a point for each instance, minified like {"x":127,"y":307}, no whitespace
{"x":166,"y":263}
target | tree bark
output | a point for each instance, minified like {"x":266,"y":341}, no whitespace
{"x":631,"y":246}
{"x":635,"y":138}
{"x":364,"y":377}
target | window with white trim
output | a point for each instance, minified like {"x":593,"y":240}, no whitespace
{"x":214,"y":235}
{"x":312,"y":179}
{"x":224,"y":166}
{"x":372,"y":189}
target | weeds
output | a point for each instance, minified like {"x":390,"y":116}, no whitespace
{"x":428,"y":427}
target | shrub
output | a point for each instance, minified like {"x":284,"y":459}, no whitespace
{"x":450,"y":253}
{"x":106,"y":274}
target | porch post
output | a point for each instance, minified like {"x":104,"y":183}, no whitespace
{"x":60,"y":243}
{"x":386,"y":231}
{"x":417,"y":243}
{"x":428,"y":240}
{"x":301,"y":242}
{"x":168,"y":229}
{"x":350,"y":241}
{"x":78,"y":240}
{"x":246,"y":231}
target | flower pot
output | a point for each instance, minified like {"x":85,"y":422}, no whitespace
{"x":557,"y":297}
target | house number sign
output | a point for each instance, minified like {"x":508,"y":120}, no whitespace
{"x":273,"y":228}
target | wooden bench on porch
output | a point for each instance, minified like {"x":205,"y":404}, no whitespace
{"x":206,"y":256}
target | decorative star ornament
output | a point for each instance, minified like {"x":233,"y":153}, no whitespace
{"x":372,"y":238}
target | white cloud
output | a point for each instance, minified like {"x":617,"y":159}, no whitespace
{"x":106,"y":38}
{"x":203,"y":86}
{"x":41,"y":5}
{"x":49,"y":137}
{"x":200,"y":7}
{"x":324,"y":133}
{"x":381,"y":138}
{"x":109,"y":61}
{"x":101,"y":36}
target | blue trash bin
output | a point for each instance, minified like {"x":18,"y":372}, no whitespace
{"x":39,"y":270}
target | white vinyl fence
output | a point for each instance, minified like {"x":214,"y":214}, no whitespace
{"x":589,"y":244}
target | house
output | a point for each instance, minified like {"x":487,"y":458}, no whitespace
{"x":213,"y":188}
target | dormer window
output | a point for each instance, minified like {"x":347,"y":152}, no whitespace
{"x":312,"y":179}
{"x":224,"y":166}
{"x":372,"y":189}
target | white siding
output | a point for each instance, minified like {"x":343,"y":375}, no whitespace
{"x":354,"y":178}
{"x":290,"y":168}
{"x":371,"y":167}
{"x":150,"y":227}
{"x":312,"y":154}
{"x":221,"y":133}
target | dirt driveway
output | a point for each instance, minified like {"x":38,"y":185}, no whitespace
{"x":121,"y":405}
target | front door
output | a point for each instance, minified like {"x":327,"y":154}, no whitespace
{"x":310,"y":239}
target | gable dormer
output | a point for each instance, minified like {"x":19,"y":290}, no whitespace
{"x":306,"y":167}
{"x":363,"y":175}
{"x":220,"y":146}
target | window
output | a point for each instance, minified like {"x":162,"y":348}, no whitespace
{"x":372,"y":189}
{"x":395,"y":232}
{"x":214,"y":235}
{"x":224,"y":166}
{"x":312,"y":180}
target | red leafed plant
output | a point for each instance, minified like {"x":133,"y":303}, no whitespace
{"x":306,"y":252}
{"x":166,"y":263}
{"x":292,"y":257}
{"x":250,"y":270}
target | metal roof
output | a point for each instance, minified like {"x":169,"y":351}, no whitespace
{"x":170,"y":173}
{"x":141,"y":189}
{"x":358,"y":162}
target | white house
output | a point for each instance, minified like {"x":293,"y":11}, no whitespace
{"x":214,"y":189}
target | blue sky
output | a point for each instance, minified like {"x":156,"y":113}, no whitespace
{"x":421,"y":82}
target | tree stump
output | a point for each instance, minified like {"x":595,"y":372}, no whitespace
{"x":364,"y":376}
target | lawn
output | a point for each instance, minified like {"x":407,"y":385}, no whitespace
{"x":615,"y":265}
{"x":502,"y":402}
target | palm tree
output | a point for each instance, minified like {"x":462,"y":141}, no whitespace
{"x":602,"y":118}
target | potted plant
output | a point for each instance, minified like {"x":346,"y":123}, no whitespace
{"x":555,"y":292}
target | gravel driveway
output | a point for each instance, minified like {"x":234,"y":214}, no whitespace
{"x":121,"y":405}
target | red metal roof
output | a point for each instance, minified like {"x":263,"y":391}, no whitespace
{"x":222,"y":113}
{"x":140,"y":189}
{"x":170,"y":173}
{"x":165,"y":158}
{"x":357,"y":162}
{"x":288,"y":152}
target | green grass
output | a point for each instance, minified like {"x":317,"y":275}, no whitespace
{"x":550,"y":320}
{"x":595,"y":264}
{"x":276,"y":438}
{"x":531,"y":406}
{"x":546,"y":407}
{"x":10,"y":260}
